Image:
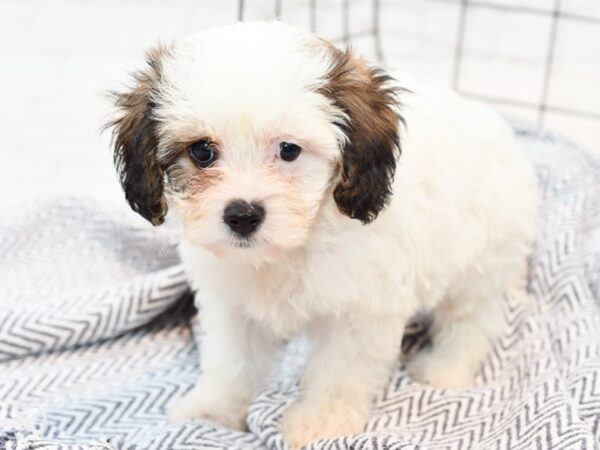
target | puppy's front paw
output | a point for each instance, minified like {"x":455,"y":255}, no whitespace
{"x":203,"y":403}
{"x":440,"y":370}
{"x":304,"y":423}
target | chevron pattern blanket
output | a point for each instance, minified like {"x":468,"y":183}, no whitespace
{"x":97,"y":337}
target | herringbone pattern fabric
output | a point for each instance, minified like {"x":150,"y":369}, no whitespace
{"x":95,"y":338}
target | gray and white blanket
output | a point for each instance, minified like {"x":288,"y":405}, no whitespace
{"x":97,"y":337}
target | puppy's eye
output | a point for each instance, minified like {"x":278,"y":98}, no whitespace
{"x":203,"y":153}
{"x":289,"y":152}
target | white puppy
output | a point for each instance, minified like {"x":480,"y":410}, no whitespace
{"x":317,"y":195}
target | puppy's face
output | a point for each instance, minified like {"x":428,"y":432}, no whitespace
{"x":245,"y":133}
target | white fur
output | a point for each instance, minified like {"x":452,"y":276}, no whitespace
{"x":455,"y":235}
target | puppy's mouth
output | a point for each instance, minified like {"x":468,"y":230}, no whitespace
{"x":244,"y":243}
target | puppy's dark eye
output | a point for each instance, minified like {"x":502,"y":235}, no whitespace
{"x":289,"y":152}
{"x":203,"y":153}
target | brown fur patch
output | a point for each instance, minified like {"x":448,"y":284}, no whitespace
{"x":369,"y":158}
{"x":135,"y":141}
{"x":203,"y":180}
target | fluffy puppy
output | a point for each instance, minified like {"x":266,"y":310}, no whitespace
{"x":316,"y":195}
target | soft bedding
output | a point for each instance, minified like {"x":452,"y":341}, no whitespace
{"x":98,"y":334}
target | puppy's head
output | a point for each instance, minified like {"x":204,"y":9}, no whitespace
{"x":246,"y":133}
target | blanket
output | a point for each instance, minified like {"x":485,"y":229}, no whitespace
{"x":98,"y":333}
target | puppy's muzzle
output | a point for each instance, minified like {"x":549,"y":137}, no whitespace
{"x":243,"y":218}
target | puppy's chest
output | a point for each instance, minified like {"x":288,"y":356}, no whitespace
{"x":280,"y":303}
{"x":284,"y":299}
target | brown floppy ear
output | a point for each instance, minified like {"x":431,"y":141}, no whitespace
{"x":369,"y":156}
{"x":135,"y":142}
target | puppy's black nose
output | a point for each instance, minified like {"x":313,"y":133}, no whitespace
{"x":243,"y":218}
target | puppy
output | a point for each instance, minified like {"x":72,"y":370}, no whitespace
{"x":314,"y":194}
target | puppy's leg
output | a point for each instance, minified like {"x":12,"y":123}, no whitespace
{"x":234,"y":356}
{"x":347,"y":365}
{"x":461,"y":335}
{"x":465,"y":324}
